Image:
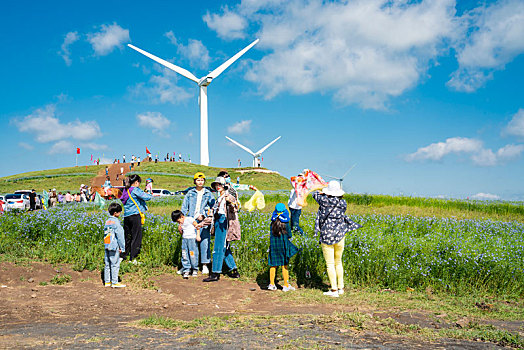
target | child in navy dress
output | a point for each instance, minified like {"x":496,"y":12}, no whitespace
{"x":280,"y":247}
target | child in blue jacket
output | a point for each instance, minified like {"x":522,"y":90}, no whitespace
{"x":115,"y":244}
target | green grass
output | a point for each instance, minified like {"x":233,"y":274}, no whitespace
{"x":60,"y":279}
{"x":337,"y":321}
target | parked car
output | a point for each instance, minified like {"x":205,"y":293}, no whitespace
{"x":17,"y":201}
{"x":38,"y":199}
{"x":160,"y":192}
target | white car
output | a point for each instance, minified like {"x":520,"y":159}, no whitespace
{"x":17,"y":201}
{"x":160,"y":192}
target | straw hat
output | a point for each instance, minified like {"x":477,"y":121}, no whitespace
{"x":333,"y":189}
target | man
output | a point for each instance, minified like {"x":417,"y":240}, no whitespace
{"x":32,"y":200}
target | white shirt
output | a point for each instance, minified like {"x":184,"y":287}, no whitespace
{"x":292,"y":203}
{"x":188,"y":230}
{"x":221,"y":201}
{"x":200,"y":194}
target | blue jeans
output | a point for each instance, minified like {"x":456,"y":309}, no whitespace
{"x":295,"y":220}
{"x":112,"y":265}
{"x":221,"y":250}
{"x":189,"y":254}
{"x":205,"y":249}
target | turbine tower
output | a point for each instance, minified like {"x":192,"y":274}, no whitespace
{"x":256,"y":162}
{"x":202,"y":84}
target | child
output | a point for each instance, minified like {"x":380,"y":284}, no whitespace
{"x":115,"y":244}
{"x":280,"y":248}
{"x":190,"y":235}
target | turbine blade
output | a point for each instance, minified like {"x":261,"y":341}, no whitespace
{"x":167,"y":64}
{"x":242,"y":146}
{"x":347,"y":172}
{"x":267,"y":146}
{"x":333,"y":177}
{"x":230,"y":61}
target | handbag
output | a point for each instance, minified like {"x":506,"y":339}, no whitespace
{"x":142,"y":216}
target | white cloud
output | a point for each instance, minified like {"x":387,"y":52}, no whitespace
{"x":485,"y":196}
{"x":62,"y":147}
{"x":516,"y":124}
{"x":69,"y":39}
{"x":496,"y":38}
{"x":155,"y":121}
{"x":463,"y":145}
{"x":93,"y":146}
{"x":241,"y":127}
{"x":47,"y":127}
{"x":510,"y":151}
{"x":194,"y":51}
{"x":228,"y":25}
{"x":161,"y":88}
{"x":436,"y":151}
{"x":25,"y":146}
{"x":108,"y":38}
{"x":364,"y":52}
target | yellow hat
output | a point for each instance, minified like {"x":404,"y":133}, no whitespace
{"x":199,"y":175}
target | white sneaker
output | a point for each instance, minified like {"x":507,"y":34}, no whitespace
{"x":179,"y":272}
{"x":340,"y":291}
{"x":272,"y":287}
{"x":288,"y":289}
{"x":205,"y":270}
{"x":120,"y":260}
{"x":195,"y":273}
{"x":332,"y":293}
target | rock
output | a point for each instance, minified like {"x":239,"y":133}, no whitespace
{"x":462,"y":323}
{"x":31,"y":280}
{"x":33,"y":295}
{"x":4,"y":286}
{"x":252,"y":289}
{"x":159,"y":290}
{"x":165,"y":306}
{"x":34,"y":289}
{"x":441,"y":315}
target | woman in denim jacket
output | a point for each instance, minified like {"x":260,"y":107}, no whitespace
{"x":132,"y":220}
{"x":196,"y":203}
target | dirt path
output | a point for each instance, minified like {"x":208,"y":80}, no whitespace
{"x":84,"y":314}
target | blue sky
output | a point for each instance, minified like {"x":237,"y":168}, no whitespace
{"x":425,"y":97}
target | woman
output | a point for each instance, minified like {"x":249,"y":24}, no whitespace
{"x":134,"y":200}
{"x":332,"y":224}
{"x":196,"y":204}
{"x":223,"y":209}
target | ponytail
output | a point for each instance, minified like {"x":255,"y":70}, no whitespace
{"x":278,"y":228}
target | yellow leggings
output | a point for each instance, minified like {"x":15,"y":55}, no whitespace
{"x":273,"y":272}
{"x":333,"y":257}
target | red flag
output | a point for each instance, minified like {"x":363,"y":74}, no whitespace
{"x":147,"y":151}
{"x":78,"y":151}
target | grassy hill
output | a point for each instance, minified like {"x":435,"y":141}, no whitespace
{"x":173,"y":176}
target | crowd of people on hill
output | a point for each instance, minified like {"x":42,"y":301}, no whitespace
{"x":203,"y":215}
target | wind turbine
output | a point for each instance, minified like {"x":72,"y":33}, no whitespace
{"x":340,"y":179}
{"x":202,"y":84}
{"x":255,"y":155}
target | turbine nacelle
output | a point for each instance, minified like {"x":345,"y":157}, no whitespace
{"x":205,"y":81}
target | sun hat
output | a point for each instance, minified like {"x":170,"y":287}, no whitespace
{"x":219,"y":181}
{"x":280,"y":213}
{"x":333,"y":189}
{"x":199,"y":175}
